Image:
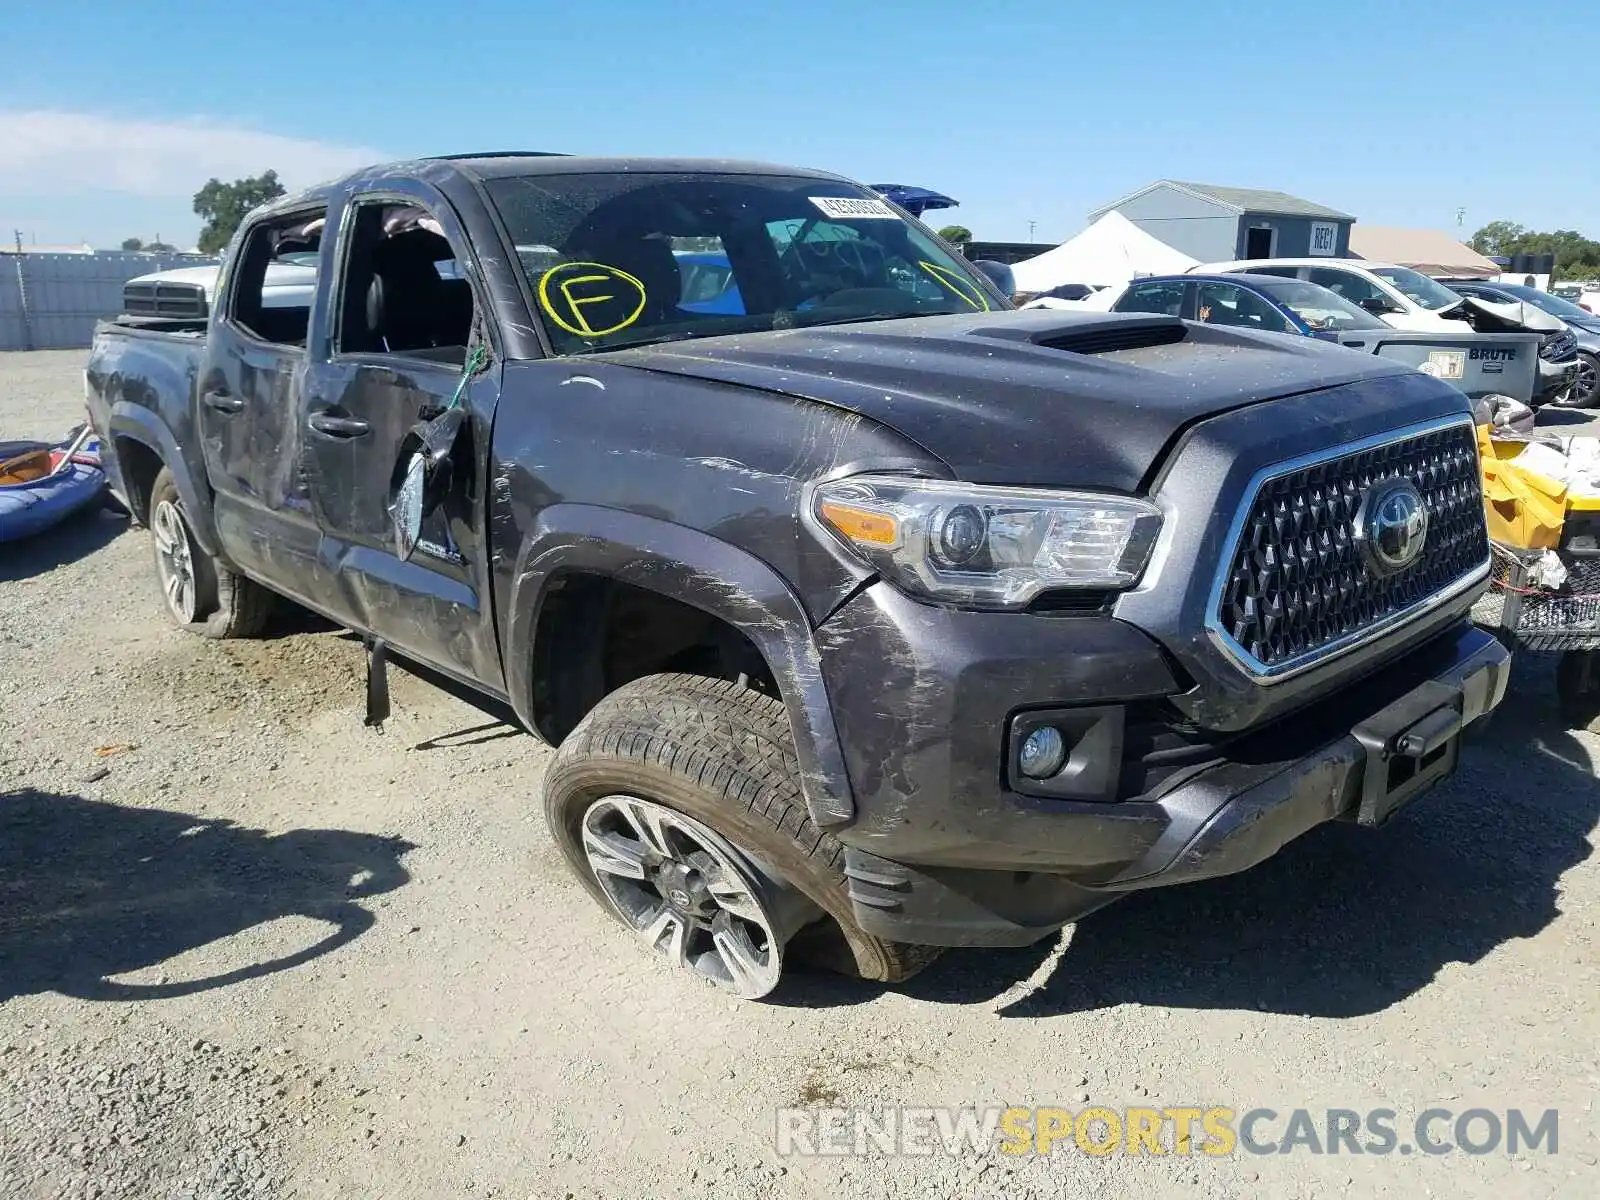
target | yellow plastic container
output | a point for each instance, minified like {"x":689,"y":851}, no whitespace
{"x":1523,"y":507}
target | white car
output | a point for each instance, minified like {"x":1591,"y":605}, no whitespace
{"x":1406,"y":299}
{"x":1399,"y":296}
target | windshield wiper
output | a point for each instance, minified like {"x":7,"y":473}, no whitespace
{"x":804,"y":323}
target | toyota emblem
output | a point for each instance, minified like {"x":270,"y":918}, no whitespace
{"x":1392,"y":526}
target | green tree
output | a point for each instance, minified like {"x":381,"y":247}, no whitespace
{"x":1495,"y":236}
{"x":132,"y":243}
{"x":225,"y":205}
{"x":1576,"y":256}
{"x":956,"y":235}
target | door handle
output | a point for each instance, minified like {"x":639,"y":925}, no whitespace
{"x":223,"y":401}
{"x":338,"y":427}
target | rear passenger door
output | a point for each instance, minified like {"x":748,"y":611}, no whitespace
{"x":249,"y":396}
{"x":402,"y":325}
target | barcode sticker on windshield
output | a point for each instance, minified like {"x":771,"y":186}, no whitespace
{"x":853,"y":208}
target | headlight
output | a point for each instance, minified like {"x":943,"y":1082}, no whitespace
{"x":987,"y":547}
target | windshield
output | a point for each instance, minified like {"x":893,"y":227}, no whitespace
{"x":1554,"y":305}
{"x":622,"y":259}
{"x":1319,"y":307}
{"x":1417,"y":287}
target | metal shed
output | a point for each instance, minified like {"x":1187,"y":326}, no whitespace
{"x":1211,"y":223}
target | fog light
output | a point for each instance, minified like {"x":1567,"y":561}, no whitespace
{"x":1043,"y":751}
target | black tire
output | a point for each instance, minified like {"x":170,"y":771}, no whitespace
{"x":227,"y":605}
{"x":723,"y":754}
{"x":1578,"y":689}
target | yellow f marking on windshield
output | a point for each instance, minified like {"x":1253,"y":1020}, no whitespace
{"x":964,"y":290}
{"x":580,"y":285}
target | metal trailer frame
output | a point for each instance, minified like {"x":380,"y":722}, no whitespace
{"x":1563,"y":621}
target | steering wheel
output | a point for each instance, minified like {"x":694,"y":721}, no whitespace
{"x":853,"y":253}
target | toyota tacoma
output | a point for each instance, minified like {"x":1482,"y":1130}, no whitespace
{"x":868,"y":615}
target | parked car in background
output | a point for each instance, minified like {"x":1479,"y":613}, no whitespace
{"x":1067,"y":295}
{"x":1408,"y":299}
{"x":1585,"y":295}
{"x":1585,"y":327}
{"x":1479,"y":364}
{"x":1400,"y":297}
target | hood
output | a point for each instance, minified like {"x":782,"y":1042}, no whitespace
{"x":201,"y":277}
{"x":1041,"y":397}
{"x":1489,"y":316}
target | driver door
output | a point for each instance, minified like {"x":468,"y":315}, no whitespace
{"x":403,"y":332}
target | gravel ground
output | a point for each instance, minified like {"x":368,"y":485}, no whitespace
{"x":250,"y":948}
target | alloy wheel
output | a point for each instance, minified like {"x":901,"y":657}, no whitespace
{"x":175,"y":560}
{"x":685,"y":890}
{"x":1583,"y":387}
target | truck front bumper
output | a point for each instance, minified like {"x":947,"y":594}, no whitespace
{"x":1006,"y":870}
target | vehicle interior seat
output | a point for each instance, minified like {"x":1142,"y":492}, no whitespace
{"x":409,"y":306}
{"x":648,"y":258}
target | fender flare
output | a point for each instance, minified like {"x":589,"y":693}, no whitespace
{"x":699,"y":570}
{"x":134,"y":421}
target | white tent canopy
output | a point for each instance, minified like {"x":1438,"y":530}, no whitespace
{"x":1109,"y":253}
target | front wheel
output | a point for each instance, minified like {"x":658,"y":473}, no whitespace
{"x":201,"y":594}
{"x":677,"y":803}
{"x":1585,"y":391}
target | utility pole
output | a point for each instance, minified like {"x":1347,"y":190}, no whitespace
{"x":1031,"y":224}
{"x":17,"y":233}
{"x":1460,"y":215}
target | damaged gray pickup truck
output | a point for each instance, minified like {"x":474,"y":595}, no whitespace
{"x":868,"y":615}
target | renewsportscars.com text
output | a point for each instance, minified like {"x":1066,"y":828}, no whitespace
{"x":1212,"y":1131}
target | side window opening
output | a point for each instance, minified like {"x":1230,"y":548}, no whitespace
{"x":277,"y":279}
{"x":403,"y":290}
{"x":1352,"y":287}
{"x":1164,"y":298}
{"x":1224,"y":304}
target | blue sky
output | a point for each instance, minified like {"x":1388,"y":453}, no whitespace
{"x":114,"y":114}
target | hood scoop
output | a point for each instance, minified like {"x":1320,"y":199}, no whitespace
{"x":1100,"y":335}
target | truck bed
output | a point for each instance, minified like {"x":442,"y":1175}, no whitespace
{"x":140,"y":378}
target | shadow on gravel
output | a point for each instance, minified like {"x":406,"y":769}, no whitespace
{"x":1340,"y":923}
{"x":1555,"y":418}
{"x":76,"y":537}
{"x":90,"y":890}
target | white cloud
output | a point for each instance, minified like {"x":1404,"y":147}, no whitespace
{"x":57,"y":154}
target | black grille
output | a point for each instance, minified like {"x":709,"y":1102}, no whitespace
{"x":164,"y":300}
{"x":1559,"y":347}
{"x":1299,"y":583}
